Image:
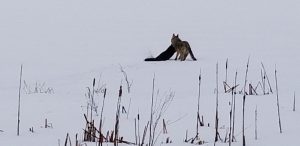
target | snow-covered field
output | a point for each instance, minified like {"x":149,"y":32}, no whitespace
{"x":67,"y":43}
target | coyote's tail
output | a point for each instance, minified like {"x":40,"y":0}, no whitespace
{"x":191,"y":53}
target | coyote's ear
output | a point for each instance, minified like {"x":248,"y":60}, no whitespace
{"x":173,"y":35}
{"x":177,"y":35}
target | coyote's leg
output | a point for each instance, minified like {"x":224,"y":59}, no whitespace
{"x":181,"y":56}
{"x":185,"y":55}
{"x":177,"y":55}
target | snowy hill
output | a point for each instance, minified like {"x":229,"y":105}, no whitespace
{"x":64,"y":45}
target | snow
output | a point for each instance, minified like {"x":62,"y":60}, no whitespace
{"x":66,"y":44}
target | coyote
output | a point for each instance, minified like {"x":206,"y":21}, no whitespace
{"x":182,"y":48}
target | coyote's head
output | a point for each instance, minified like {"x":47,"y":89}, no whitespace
{"x":175,"y":39}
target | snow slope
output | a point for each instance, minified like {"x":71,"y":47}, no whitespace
{"x":67,"y":43}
